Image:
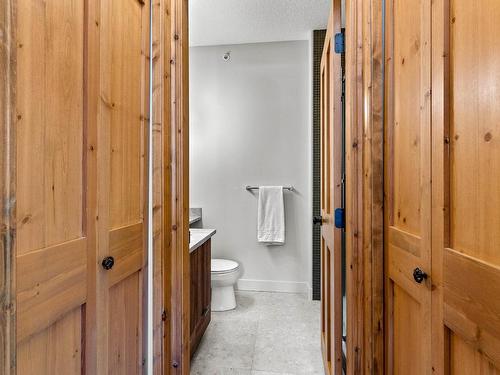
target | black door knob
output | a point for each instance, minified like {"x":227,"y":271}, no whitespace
{"x":419,"y":275}
{"x":108,"y":263}
{"x":317,"y":220}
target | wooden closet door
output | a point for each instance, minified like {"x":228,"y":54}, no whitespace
{"x":55,"y":211}
{"x":124,"y":115}
{"x":467,"y":175}
{"x":331,"y":198}
{"x":82,"y":104}
{"x":408,"y":187}
{"x":327,"y":211}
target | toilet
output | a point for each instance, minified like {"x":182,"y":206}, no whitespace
{"x":225,"y":273}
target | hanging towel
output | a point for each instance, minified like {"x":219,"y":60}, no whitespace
{"x":271,"y":215}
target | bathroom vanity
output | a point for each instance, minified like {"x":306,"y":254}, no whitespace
{"x":201,"y":293}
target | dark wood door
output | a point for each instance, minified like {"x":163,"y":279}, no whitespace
{"x":201,"y":293}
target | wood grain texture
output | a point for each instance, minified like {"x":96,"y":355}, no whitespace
{"x":201,"y":293}
{"x":440,"y":202}
{"x":179,"y":187}
{"x":125,"y":107}
{"x":125,"y":327}
{"x":337,"y":140}
{"x":373,"y":187}
{"x":465,"y":170}
{"x":472,"y":308}
{"x":56,"y":350}
{"x":8,"y":166}
{"x":126,"y":103}
{"x":356,"y":282}
{"x":49,"y":97}
{"x":51,"y":282}
{"x":161,"y":187}
{"x":157,"y":122}
{"x":407,"y":187}
{"x":52,"y":245}
{"x":83,"y":97}
{"x":96,"y":203}
{"x":331,"y":182}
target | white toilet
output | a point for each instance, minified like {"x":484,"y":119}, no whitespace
{"x":225,"y":273}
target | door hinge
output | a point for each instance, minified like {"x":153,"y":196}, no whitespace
{"x":164,"y":315}
{"x":339,"y":218}
{"x":339,"y":43}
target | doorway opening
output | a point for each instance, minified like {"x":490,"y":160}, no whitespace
{"x":251,"y":188}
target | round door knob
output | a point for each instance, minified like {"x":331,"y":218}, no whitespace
{"x":317,"y":220}
{"x":419,"y":275}
{"x":108,"y":263}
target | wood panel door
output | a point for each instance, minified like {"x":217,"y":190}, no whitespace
{"x":408,"y":188}
{"x":331,"y":198}
{"x":81,"y":187}
{"x":466,"y":162}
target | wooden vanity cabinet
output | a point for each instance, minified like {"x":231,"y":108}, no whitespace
{"x":201,"y":293}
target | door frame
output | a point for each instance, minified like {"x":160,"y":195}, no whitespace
{"x":8,"y":185}
{"x":364,"y":200}
{"x":365,"y":186}
{"x":364,"y":169}
{"x":176,"y":194}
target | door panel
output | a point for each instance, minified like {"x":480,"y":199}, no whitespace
{"x":125,"y":38}
{"x":407,"y":190}
{"x":331,"y":198}
{"x":51,"y":256}
{"x":124,"y":327}
{"x":471,"y":260}
{"x":82,"y":104}
{"x":327,"y":229}
{"x":55,"y":350}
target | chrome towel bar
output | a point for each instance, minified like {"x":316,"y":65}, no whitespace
{"x":248,"y":187}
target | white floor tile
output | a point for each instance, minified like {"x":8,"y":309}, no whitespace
{"x":268,"y":334}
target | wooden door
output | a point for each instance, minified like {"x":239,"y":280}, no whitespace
{"x":408,"y":188}
{"x":331,"y":198}
{"x":466,"y":162}
{"x":81,"y":187}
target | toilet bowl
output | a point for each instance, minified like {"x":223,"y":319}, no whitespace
{"x":225,"y":273}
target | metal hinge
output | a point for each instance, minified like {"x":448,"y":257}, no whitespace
{"x":339,"y":218}
{"x":339,"y":43}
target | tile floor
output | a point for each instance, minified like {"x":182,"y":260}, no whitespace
{"x":268,"y":334}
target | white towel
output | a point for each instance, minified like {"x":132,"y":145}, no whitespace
{"x":271,"y":215}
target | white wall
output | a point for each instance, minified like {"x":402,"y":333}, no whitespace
{"x":251,"y":125}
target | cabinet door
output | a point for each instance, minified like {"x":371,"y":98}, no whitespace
{"x":82,"y":104}
{"x":467,"y":174}
{"x":408,"y":187}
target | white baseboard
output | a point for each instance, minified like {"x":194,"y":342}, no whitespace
{"x":273,"y":286}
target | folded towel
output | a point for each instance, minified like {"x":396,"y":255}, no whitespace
{"x":271,"y":215}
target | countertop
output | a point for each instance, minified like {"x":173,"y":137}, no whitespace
{"x":194,"y":215}
{"x":199,"y":237}
{"x":193,"y":218}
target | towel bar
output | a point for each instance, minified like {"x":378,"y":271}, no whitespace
{"x":248,"y":187}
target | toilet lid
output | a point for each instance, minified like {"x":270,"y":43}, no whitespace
{"x":223,"y":265}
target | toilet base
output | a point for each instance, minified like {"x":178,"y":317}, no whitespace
{"x":223,"y":298}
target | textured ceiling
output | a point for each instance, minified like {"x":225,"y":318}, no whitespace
{"x":214,"y":22}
